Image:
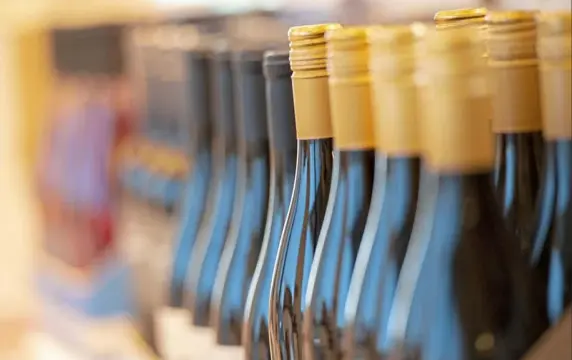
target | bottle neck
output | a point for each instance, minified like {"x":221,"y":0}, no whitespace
{"x":402,"y":164}
{"x":561,"y":153}
{"x":252,"y":129}
{"x":224,"y":116}
{"x":281,"y":125}
{"x":282,"y":160}
{"x":519,"y":148}
{"x":466,"y":183}
{"x":315,"y":149}
{"x":197,"y":107}
{"x":357,"y":157}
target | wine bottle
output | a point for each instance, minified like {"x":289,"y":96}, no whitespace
{"x":463,"y":292}
{"x":516,"y":118}
{"x":196,"y":84}
{"x":350,"y":193}
{"x":395,"y":192}
{"x":282,"y":133}
{"x":551,"y":255}
{"x":244,"y":239}
{"x":207,"y":250}
{"x":310,"y":193}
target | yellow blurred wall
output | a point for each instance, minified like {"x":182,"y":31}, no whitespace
{"x":33,"y":77}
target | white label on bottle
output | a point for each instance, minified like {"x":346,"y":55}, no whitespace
{"x":177,"y":339}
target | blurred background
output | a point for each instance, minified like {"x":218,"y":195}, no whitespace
{"x":25,"y":85}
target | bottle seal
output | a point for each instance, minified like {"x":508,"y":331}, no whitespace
{"x":555,"y":53}
{"x":394,"y":90}
{"x":456,"y":101}
{"x":277,"y":64}
{"x":310,"y":80}
{"x":350,"y":88}
{"x":513,"y":65}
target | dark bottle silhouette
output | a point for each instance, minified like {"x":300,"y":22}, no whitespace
{"x":464,"y":291}
{"x":166,"y":118}
{"x":195,"y":84}
{"x":350,"y":194}
{"x":517,"y":118}
{"x":207,"y":250}
{"x":551,"y":255}
{"x":394,"y":199}
{"x":282,"y":131}
{"x":244,"y":239}
{"x":311,"y":188}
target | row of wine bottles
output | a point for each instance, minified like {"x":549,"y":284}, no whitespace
{"x":398,"y":192}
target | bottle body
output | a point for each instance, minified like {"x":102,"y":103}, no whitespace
{"x":244,"y":238}
{"x":478,"y":312}
{"x":517,"y":180}
{"x":241,"y":250}
{"x":560,"y":273}
{"x":336,"y":252}
{"x":193,"y":206}
{"x":551,"y":247}
{"x":282,"y":133}
{"x":199,"y":179}
{"x":297,"y":246}
{"x":255,"y":332}
{"x":552,"y":239}
{"x":206,"y":251}
{"x":381,"y":254}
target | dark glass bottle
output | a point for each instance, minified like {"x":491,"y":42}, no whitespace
{"x":516,"y":117}
{"x":464,"y":291}
{"x":244,"y":239}
{"x":282,"y":132}
{"x":310,"y":193}
{"x":551,"y":255}
{"x":196,"y":85}
{"x":394,"y":199}
{"x":206,"y":253}
{"x":350,"y":194}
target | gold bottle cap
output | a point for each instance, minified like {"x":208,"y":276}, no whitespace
{"x":511,"y":37}
{"x":460,"y":17}
{"x":308,"y":58}
{"x":308,"y":54}
{"x":394,"y":89}
{"x":456,"y":102}
{"x":352,"y":118}
{"x":555,"y":53}
{"x":514,"y":71}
